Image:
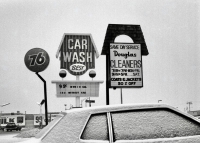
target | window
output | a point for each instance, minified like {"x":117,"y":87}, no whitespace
{"x":151,"y":124}
{"x":3,"y":121}
{"x":11,"y":119}
{"x":96,"y":128}
{"x":20,"y":119}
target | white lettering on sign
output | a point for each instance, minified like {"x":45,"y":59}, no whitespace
{"x":77,"y":67}
{"x":77,"y":49}
{"x":77,"y":44}
{"x":39,"y":59}
{"x":75,"y":57}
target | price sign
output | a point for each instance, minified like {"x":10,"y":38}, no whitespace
{"x":36,"y":60}
{"x":39,"y":118}
{"x":77,"y":88}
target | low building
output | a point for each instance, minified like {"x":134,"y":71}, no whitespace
{"x":26,"y":120}
{"x":195,"y":113}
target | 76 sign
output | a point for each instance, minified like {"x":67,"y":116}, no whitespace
{"x":36,"y":60}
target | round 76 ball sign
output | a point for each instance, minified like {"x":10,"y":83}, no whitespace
{"x":36,"y":60}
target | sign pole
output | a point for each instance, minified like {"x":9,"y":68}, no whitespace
{"x":78,"y":97}
{"x":45,"y":97}
{"x":107,"y":81}
{"x":121,"y":96}
{"x":89,"y":102}
{"x":37,"y":60}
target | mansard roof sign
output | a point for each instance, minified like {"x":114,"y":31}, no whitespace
{"x":77,"y":53}
{"x":88,"y":35}
{"x":133,"y":31}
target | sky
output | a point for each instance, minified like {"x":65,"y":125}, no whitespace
{"x":171,"y":29}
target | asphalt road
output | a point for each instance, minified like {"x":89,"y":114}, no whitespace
{"x":9,"y":137}
{"x":2,"y":133}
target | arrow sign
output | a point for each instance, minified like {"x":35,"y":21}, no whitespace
{"x":90,"y":101}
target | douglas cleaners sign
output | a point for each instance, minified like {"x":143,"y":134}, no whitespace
{"x":77,"y":53}
{"x":125,"y":65}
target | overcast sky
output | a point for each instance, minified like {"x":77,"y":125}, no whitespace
{"x":171,"y":71}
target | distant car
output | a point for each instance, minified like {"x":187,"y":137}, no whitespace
{"x":122,"y":124}
{"x":11,"y":126}
{"x":1,"y":128}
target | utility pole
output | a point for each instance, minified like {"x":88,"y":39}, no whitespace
{"x":189,"y":104}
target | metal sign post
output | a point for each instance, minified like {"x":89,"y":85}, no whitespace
{"x":107,"y":80}
{"x":37,"y":60}
{"x":77,"y":97}
{"x":121,"y":96}
{"x":45,"y":98}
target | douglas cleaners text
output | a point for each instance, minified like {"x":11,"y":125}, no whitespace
{"x":125,"y":63}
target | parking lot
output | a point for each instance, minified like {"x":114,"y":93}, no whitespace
{"x":9,"y":137}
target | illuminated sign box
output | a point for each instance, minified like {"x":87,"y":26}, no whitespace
{"x":125,"y":65}
{"x":77,"y":88}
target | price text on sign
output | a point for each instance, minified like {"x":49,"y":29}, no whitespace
{"x":36,"y":60}
{"x":125,"y":65}
{"x":77,"y":89}
{"x":85,"y":88}
{"x":38,"y":119}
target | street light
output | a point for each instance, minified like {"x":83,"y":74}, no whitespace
{"x":40,"y":104}
{"x":65,"y":107}
{"x":4,"y":104}
{"x":83,"y":100}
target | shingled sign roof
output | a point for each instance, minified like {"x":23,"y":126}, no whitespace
{"x":76,"y":35}
{"x":133,"y":31}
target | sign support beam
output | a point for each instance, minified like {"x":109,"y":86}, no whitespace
{"x":78,"y":97}
{"x":121,"y":96}
{"x":45,"y":97}
{"x":107,"y":80}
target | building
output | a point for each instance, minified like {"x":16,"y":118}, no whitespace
{"x":26,"y":120}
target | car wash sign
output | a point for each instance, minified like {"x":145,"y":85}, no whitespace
{"x":125,"y":65}
{"x":77,"y":53}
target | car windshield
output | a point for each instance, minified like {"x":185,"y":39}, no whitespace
{"x":11,"y":124}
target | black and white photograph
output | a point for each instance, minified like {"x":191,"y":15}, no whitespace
{"x":99,"y":71}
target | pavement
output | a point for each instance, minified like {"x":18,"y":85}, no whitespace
{"x":9,"y":137}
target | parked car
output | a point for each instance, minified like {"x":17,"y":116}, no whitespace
{"x":11,"y":126}
{"x":1,"y":128}
{"x":122,"y":124}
